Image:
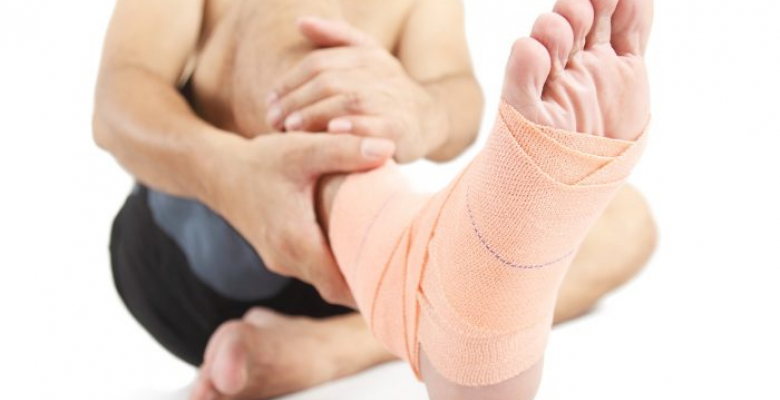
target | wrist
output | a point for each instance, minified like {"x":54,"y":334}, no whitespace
{"x":213,"y":160}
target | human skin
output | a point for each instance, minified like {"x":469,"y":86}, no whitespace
{"x":302,"y":157}
{"x":581,"y":70}
{"x":626,"y":227}
{"x":264,"y":182}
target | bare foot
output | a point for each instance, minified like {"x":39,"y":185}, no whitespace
{"x":266,"y":355}
{"x":583,"y":69}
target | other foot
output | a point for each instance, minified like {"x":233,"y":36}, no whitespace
{"x":266,"y":355}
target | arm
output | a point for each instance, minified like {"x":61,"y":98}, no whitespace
{"x":446,"y":73}
{"x":140,"y":117}
{"x":264,"y":187}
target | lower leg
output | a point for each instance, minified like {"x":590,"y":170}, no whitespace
{"x":615,"y":250}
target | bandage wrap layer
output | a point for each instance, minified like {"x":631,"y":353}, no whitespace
{"x":472,"y":273}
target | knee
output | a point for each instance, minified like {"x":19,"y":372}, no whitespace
{"x":617,"y":247}
{"x":628,"y":229}
{"x":634,"y":219}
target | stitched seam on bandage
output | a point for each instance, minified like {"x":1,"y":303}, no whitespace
{"x":496,"y":254}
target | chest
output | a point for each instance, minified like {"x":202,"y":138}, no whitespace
{"x":381,"y":19}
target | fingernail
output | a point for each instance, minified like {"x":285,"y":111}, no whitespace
{"x":272,"y":97}
{"x":293,"y":122}
{"x":377,"y":148}
{"x":274,"y":115}
{"x":340,"y":126}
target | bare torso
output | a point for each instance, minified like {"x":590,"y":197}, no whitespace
{"x":263,"y":34}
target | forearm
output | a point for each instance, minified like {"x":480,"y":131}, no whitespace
{"x":148,"y":126}
{"x":460,"y":100}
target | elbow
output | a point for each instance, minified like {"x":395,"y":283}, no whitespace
{"x":101,"y":126}
{"x":99,"y":131}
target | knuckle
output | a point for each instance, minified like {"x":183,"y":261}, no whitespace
{"x":309,"y":153}
{"x":354,"y":102}
{"x":290,"y":157}
{"x":327,"y":84}
{"x":305,"y":119}
{"x":315,"y":63}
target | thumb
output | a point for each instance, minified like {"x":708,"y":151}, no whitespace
{"x":333,"y":153}
{"x":332,"y":33}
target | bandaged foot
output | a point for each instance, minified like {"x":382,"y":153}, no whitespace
{"x":470,"y":275}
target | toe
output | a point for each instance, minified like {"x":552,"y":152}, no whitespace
{"x":526,"y":74}
{"x":229,"y":371}
{"x":579,"y":14}
{"x":631,"y":26}
{"x":554,"y":32}
{"x":260,"y":317}
{"x":203,"y":390}
{"x":601,"y":32}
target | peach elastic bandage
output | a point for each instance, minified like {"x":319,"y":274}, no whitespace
{"x":471,"y":274}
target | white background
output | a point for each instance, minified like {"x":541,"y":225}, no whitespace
{"x":702,"y":322}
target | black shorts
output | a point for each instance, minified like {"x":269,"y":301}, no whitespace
{"x":156,"y":283}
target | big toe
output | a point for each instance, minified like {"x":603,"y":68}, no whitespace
{"x":526,"y":75}
{"x":631,"y":26}
{"x":229,"y":370}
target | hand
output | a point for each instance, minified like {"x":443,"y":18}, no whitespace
{"x":267,"y":192}
{"x":353,"y":85}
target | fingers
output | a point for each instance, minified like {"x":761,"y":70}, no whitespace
{"x":324,"y":274}
{"x":330,"y":33}
{"x":320,"y":87}
{"x":324,"y":154}
{"x":298,"y":249}
{"x":315,"y":118}
{"x":368,"y":126}
{"x":313,"y":65}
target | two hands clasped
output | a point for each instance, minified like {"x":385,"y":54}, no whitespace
{"x":349,"y":106}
